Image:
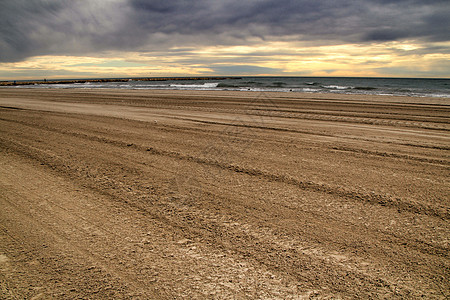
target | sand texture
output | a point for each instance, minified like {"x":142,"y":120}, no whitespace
{"x":114,"y":194}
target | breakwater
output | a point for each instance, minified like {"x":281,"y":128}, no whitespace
{"x":72,"y":81}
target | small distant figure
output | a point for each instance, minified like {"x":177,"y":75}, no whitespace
{"x":45,"y":80}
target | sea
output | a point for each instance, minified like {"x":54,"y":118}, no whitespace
{"x":417,"y":87}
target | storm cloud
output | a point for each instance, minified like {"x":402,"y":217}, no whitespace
{"x":75,"y":27}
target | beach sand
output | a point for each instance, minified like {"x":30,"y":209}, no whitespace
{"x":113,"y":194}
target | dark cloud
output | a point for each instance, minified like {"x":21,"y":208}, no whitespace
{"x":384,"y":35}
{"x":77,"y":27}
{"x":39,"y":27}
{"x":17,"y":21}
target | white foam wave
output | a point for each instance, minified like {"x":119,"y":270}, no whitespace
{"x":308,"y":90}
{"x":337,"y":87}
{"x":195,"y":86}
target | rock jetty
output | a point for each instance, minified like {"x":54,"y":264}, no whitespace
{"x":71,"y":81}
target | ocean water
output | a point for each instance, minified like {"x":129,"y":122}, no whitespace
{"x":342,"y":85}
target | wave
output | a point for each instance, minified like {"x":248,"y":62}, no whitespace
{"x":337,"y":87}
{"x":194,"y":86}
{"x":309,"y":90}
{"x":344,"y":87}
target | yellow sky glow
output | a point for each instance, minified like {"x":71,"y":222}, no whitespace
{"x":285,"y":58}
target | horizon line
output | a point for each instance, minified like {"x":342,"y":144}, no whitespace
{"x":218,"y":77}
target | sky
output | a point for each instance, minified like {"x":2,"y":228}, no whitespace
{"x":150,"y":38}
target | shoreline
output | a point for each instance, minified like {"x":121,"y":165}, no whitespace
{"x":440,"y":99}
{"x":246,"y":94}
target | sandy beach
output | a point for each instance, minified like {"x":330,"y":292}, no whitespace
{"x":158,"y":194}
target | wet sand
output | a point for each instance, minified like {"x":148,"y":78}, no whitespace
{"x":192,"y":194}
